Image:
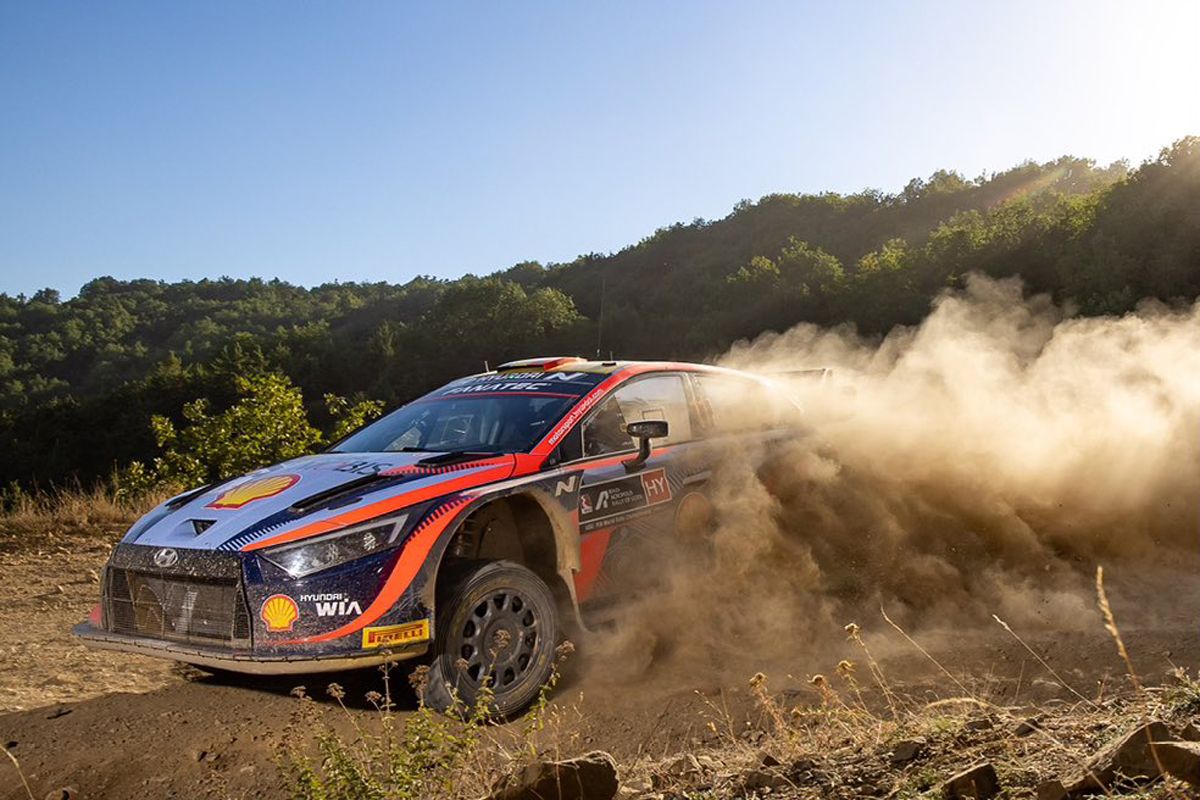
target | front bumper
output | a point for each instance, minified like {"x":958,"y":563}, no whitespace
{"x":244,"y":662}
{"x":198,"y":610}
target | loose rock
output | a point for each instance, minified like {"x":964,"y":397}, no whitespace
{"x":1052,"y":790}
{"x":592,"y":776}
{"x":907,"y":750}
{"x":683,"y":767}
{"x":763,"y":779}
{"x":1026,"y":727}
{"x":1180,"y":760}
{"x":979,"y":782}
{"x":1129,"y":756}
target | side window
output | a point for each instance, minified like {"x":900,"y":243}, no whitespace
{"x":739,"y":404}
{"x":657,"y":397}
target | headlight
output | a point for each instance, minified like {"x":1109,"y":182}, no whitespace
{"x":313,"y":555}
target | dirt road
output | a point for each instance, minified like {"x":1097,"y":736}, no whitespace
{"x":115,"y":726}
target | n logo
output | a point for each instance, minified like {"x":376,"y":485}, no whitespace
{"x":567,"y":486}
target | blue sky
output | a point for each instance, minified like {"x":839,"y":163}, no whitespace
{"x":320,"y":141}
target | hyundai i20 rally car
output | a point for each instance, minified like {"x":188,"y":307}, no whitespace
{"x":471,"y":526}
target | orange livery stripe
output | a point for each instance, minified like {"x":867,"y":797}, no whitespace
{"x":469,"y":481}
{"x":412,"y":558}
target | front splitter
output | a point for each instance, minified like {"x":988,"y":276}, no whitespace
{"x":247,"y":663}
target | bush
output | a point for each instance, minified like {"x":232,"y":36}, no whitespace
{"x":460,"y":753}
{"x":266,"y":424}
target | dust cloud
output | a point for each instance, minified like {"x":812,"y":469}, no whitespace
{"x":982,"y":463}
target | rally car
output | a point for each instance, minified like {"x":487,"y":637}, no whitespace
{"x":473,"y":526}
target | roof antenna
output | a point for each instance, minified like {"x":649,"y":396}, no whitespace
{"x":486,"y":368}
{"x":600,"y":323}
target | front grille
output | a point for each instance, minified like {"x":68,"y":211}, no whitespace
{"x":180,"y":608}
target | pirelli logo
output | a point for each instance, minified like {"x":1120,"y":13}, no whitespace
{"x":395,"y":635}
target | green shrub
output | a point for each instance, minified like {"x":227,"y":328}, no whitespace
{"x":266,"y":424}
{"x":426,"y":754}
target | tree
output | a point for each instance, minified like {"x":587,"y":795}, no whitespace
{"x":81,"y":377}
{"x":266,"y":424}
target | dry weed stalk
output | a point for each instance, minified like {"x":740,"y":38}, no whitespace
{"x":855,"y":635}
{"x":1077,"y":757}
{"x":1110,"y":624}
{"x":1061,"y":680}
{"x":20,"y":773}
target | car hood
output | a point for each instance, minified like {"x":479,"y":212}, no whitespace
{"x":235,"y":513}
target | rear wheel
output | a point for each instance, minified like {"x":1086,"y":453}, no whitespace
{"x":497,"y":626}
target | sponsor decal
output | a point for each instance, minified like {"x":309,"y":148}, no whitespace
{"x":509,"y":386}
{"x":567,"y":486}
{"x":361,"y":467}
{"x":279,"y":613}
{"x":547,"y":377}
{"x":575,"y":414}
{"x":334,"y":604}
{"x":656,"y":487}
{"x":257,"y":489}
{"x":533,"y":381}
{"x":393,"y":635}
{"x":167,"y":557}
{"x":613,"y":502}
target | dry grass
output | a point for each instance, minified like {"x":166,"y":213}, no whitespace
{"x":30,"y":522}
{"x":827,"y":736}
{"x":840,"y":738}
{"x":461,"y":754}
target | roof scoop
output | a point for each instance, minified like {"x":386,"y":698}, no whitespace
{"x":543,"y":364}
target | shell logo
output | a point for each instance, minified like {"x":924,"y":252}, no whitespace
{"x":279,"y":612}
{"x":257,"y":489}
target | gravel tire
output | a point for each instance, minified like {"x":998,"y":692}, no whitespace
{"x":499,"y":621}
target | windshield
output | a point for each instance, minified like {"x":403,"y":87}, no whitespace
{"x":484,"y":413}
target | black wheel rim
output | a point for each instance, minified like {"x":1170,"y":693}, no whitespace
{"x":499,"y":640}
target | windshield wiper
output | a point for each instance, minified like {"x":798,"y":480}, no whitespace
{"x":453,"y":456}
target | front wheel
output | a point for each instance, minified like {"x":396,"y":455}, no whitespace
{"x":497,"y":626}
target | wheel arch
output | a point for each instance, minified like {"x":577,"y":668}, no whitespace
{"x":546,"y":541}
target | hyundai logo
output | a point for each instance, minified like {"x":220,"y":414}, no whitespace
{"x":166,"y":557}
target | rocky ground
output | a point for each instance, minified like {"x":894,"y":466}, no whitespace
{"x":88,"y":724}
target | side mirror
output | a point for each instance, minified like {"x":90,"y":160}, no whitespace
{"x":644,"y":431}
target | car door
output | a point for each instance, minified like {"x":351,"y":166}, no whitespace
{"x":626,"y":511}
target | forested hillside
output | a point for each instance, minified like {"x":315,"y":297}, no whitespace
{"x":79,"y":379}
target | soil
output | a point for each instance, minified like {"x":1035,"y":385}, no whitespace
{"x":109,"y":725}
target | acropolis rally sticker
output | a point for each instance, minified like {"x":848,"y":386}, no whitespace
{"x":612,"y":502}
